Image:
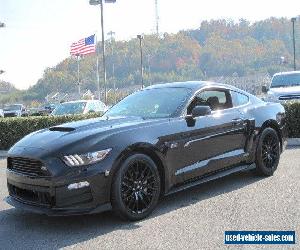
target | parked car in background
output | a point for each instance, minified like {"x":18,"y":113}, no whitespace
{"x":43,"y":110}
{"x":79,"y":107}
{"x":50,"y":107}
{"x":33,"y":111}
{"x":157,"y":141}
{"x":1,"y":113}
{"x":15,"y":110}
{"x":285,"y":86}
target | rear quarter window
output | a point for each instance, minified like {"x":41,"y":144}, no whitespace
{"x":239,"y":99}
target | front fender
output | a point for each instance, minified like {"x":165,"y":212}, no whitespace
{"x":155,"y":152}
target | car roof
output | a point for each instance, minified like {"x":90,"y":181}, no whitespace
{"x":287,"y":73}
{"x":194,"y":85}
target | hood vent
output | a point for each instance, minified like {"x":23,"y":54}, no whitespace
{"x":62,"y":129}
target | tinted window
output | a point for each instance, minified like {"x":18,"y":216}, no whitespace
{"x":215,"y":99}
{"x":238,"y":99}
{"x":286,"y":80}
{"x":152,"y":103}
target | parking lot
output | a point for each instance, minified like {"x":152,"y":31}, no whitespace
{"x":192,"y":219}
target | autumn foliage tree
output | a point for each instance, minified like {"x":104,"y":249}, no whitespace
{"x":217,"y":48}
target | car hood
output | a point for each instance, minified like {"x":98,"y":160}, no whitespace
{"x":70,"y":137}
{"x":293,"y":90}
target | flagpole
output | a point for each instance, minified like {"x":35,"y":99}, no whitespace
{"x":78,"y":80}
{"x":98,"y":75}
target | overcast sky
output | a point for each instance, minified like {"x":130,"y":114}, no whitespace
{"x":38,"y":33}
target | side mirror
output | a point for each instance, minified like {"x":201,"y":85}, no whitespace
{"x":264,"y":89}
{"x":201,"y":111}
{"x":196,"y":112}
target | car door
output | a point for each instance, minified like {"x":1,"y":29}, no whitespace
{"x":215,"y":142}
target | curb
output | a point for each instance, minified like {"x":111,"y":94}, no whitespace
{"x":293,"y":142}
{"x":3,"y":153}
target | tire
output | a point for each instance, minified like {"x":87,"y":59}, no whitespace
{"x":136,"y":188}
{"x":267,"y":152}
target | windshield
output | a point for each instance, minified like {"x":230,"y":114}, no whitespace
{"x":286,"y":80}
{"x":152,"y":103}
{"x":69,"y":108}
{"x":12,"y":107}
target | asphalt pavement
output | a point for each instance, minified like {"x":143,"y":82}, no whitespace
{"x":192,"y":219}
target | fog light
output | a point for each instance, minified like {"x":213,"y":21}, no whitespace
{"x":78,"y":185}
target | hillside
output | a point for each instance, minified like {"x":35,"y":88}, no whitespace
{"x":6,"y":87}
{"x":218,"y":48}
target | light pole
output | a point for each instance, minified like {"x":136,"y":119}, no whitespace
{"x":141,"y":37}
{"x":100,"y":2}
{"x":112,"y":34}
{"x":2,"y":25}
{"x":293,"y":20}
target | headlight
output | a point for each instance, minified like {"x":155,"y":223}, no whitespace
{"x":85,"y":159}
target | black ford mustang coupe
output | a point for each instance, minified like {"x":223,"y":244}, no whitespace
{"x":154,"y":142}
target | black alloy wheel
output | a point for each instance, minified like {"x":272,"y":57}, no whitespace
{"x":136,"y":188}
{"x":268,"y":152}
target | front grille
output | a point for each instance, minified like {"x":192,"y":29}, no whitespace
{"x":289,"y":97}
{"x":27,"y":166}
{"x":38,"y":198}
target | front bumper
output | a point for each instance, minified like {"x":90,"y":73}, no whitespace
{"x":55,"y":211}
{"x":51,"y":196}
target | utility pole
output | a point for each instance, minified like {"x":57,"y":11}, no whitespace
{"x":141,"y":37}
{"x":78,"y":76}
{"x":103,"y":53}
{"x":112,"y":39}
{"x":149,"y":66}
{"x":293,"y":20}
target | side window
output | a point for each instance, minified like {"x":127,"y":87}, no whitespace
{"x":95,"y":106}
{"x":238,"y":99}
{"x":91,"y":106}
{"x":215,"y":99}
{"x":98,"y":106}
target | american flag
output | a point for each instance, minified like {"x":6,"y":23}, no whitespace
{"x":84,"y":46}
